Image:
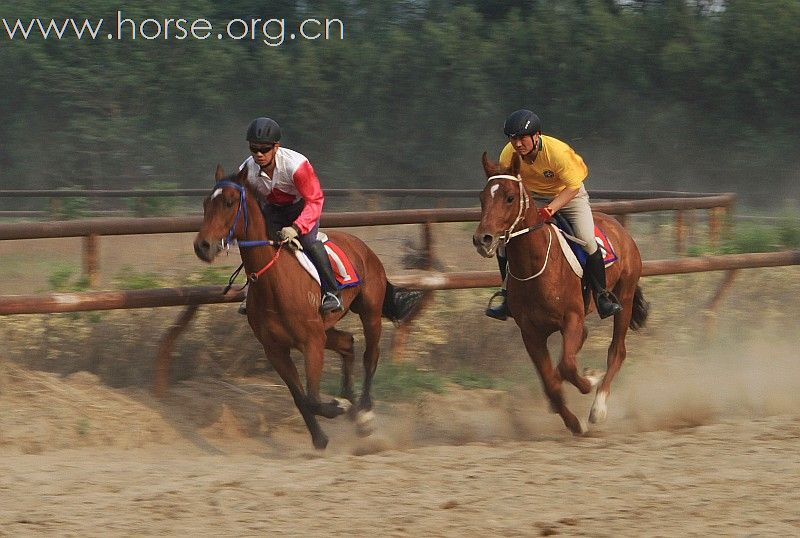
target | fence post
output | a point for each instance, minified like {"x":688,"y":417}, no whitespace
{"x":714,"y":225}
{"x":55,"y":208}
{"x":728,"y":220}
{"x":680,"y":232}
{"x":91,"y":263}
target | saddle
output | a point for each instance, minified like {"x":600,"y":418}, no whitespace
{"x":343,"y":268}
{"x":575,"y":254}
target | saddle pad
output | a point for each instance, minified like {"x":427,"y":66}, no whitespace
{"x":342,"y":266}
{"x":575,"y":254}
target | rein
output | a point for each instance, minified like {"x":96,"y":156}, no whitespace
{"x":524,"y":205}
{"x":252,"y":277}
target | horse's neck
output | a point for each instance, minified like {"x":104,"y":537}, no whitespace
{"x":531,"y":252}
{"x":254,"y":258}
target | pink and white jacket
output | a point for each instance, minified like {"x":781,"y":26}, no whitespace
{"x":293,"y":179}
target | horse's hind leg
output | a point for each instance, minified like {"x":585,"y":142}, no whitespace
{"x":282,"y":363}
{"x":616,"y":356}
{"x":574,"y":334}
{"x":537,"y":349}
{"x":342,"y":343}
{"x":371,"y":320}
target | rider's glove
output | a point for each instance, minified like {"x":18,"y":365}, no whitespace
{"x":290,"y":235}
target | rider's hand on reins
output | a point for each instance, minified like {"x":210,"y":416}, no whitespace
{"x":290,"y":235}
{"x":546,"y":214}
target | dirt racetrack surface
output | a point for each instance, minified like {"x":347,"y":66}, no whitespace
{"x":685,"y":458}
{"x":700,"y":440}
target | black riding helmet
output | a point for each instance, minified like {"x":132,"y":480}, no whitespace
{"x":263,"y":131}
{"x":522,"y":122}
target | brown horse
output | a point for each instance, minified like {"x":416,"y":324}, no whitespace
{"x":283,"y":302}
{"x":545,"y":295}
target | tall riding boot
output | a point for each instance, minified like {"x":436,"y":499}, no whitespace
{"x":500,"y":311}
{"x":607,"y":304}
{"x":331,"y":299}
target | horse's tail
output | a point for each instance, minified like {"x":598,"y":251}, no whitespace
{"x":640,"y":310}
{"x":400,"y":303}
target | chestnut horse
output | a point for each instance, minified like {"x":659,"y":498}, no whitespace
{"x":544,"y":295}
{"x":283,"y":302}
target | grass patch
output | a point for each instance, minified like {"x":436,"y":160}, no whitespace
{"x":64,"y":279}
{"x":128,"y":279}
{"x":213,"y":276}
{"x":471,"y":379}
{"x":749,"y":238}
{"x":69,"y":207}
{"x":405,"y":381}
{"x":395,"y":382}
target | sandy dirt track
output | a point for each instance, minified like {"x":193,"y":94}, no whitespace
{"x":695,"y":482}
{"x":465,"y":463}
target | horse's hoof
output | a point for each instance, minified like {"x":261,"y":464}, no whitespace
{"x":320,"y":442}
{"x":365,"y":423}
{"x":594,"y":376}
{"x":342,"y":404}
{"x":599,"y":410}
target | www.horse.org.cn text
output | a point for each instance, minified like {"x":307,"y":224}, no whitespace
{"x":272,"y":32}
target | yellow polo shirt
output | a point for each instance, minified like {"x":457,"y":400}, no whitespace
{"x":556,"y":167}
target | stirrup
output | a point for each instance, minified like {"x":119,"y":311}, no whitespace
{"x":499,"y":312}
{"x":610,"y":302}
{"x":329,"y":296}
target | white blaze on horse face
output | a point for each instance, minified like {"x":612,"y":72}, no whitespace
{"x":216,"y":193}
{"x":493,"y":190}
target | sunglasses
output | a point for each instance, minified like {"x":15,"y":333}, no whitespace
{"x":261,"y":149}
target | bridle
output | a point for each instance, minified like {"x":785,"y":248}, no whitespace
{"x":509,"y":234}
{"x":524,"y":205}
{"x":242,"y":210}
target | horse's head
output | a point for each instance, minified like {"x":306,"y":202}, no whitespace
{"x":504,"y":202}
{"x":224,"y":214}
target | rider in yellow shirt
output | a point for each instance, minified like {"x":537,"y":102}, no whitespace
{"x":554,"y":174}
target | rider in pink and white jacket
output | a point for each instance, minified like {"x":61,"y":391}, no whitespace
{"x":288,"y":190}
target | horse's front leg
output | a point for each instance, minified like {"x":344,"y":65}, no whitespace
{"x":574,"y":335}
{"x":314,"y":353}
{"x":282,"y":363}
{"x":536,"y":344}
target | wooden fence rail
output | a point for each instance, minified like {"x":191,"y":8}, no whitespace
{"x":157,"y":225}
{"x":391,"y":193}
{"x":198,"y":295}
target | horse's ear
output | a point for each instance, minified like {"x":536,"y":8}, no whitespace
{"x":219,"y":173}
{"x":488,"y":166}
{"x":515,"y":165}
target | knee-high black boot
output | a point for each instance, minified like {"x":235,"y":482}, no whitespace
{"x":500,"y":311}
{"x":607,"y":304}
{"x":331,"y":299}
